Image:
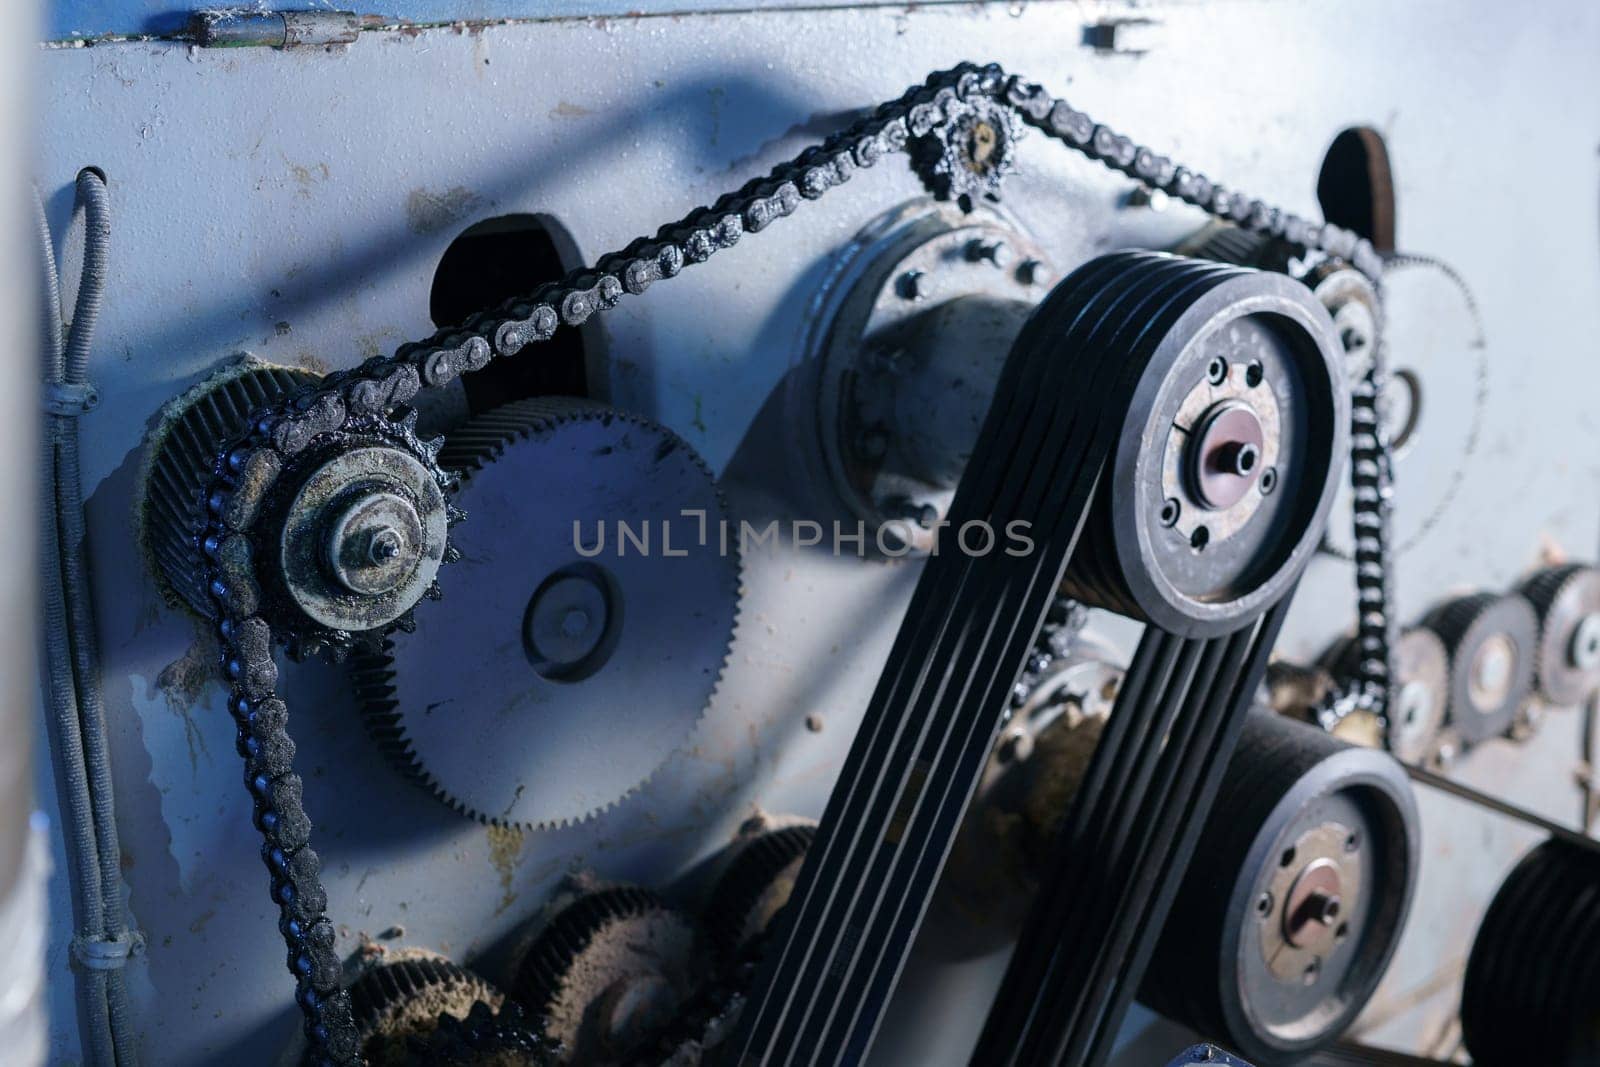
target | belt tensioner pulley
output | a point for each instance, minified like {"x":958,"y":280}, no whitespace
{"x":1294,"y":901}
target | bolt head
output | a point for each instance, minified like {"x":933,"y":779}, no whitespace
{"x":915,"y":285}
{"x":995,"y":252}
{"x":1033,"y":272}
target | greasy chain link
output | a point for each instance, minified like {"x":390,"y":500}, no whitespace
{"x":361,"y":400}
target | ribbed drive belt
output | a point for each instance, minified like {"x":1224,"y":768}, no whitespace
{"x":1042,"y":457}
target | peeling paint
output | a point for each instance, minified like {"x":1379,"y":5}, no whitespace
{"x":181,"y":682}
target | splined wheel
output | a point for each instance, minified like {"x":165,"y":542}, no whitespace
{"x":609,"y":972}
{"x":590,"y":616}
{"x":1567,"y":665}
{"x":1296,"y":896}
{"x":1532,"y":988}
{"x":1491,"y":640}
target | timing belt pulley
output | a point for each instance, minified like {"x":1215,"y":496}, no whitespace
{"x":1169,"y":433}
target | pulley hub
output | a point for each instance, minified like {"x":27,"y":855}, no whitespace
{"x":916,"y":324}
{"x":363,"y":538}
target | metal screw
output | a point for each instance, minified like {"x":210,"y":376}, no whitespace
{"x":384,"y":546}
{"x":1313,"y":971}
{"x":996,"y":252}
{"x":915,"y":285}
{"x":1268,"y":480}
{"x":1170,"y":510}
{"x":1264,"y":905}
{"x":1239,"y":459}
{"x":1145,"y":196}
{"x":1352,"y":842}
{"x":1217,"y":370}
{"x":1033,"y":272}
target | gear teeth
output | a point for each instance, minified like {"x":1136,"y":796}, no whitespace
{"x":754,"y":871}
{"x":1544,"y":587}
{"x":180,"y":462}
{"x":570,"y":964}
{"x":1462,"y":624}
{"x":381,"y":997}
{"x":1563,"y":596}
{"x":487,"y":1038}
{"x":468,"y":450}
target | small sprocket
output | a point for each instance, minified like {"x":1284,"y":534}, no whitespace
{"x":967,"y":159}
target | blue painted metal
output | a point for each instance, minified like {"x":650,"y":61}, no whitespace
{"x":68,"y":19}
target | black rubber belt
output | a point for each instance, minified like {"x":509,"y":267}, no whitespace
{"x":1120,"y":858}
{"x":967,"y":633}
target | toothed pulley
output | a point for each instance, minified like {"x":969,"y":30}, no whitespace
{"x":1492,"y":640}
{"x":343,"y":539}
{"x":755,"y":885}
{"x":610,"y":971}
{"x":1567,"y":663}
{"x":396,"y":1003}
{"x":586,"y":624}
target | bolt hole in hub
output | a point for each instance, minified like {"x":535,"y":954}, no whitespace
{"x":573,"y":622}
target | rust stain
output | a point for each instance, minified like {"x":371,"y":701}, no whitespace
{"x":505,"y":850}
{"x":565,"y":109}
{"x":200,"y":923}
{"x":306,"y":177}
{"x":182,"y":681}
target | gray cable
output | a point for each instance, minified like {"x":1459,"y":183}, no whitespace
{"x":103,"y":939}
{"x":61,"y":694}
{"x":95,"y":204}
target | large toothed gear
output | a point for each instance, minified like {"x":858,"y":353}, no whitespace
{"x":1492,"y":641}
{"x":1567,"y":664}
{"x":610,"y":971}
{"x":394,"y":1003}
{"x":572,"y":666}
{"x":180,"y":455}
